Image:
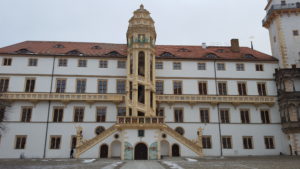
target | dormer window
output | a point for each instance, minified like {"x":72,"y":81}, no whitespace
{"x":211,"y":56}
{"x":249,"y":56}
{"x":74,"y":52}
{"x":24,"y":51}
{"x":96,"y":47}
{"x":59,"y":46}
{"x":167,"y":55}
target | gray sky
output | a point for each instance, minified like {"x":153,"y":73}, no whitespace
{"x":178,"y":22}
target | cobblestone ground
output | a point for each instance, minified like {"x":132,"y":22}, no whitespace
{"x":278,"y":162}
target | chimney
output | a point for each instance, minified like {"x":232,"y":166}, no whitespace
{"x":204,"y":45}
{"x":235,"y":45}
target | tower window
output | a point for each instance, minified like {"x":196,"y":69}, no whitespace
{"x":141,"y":94}
{"x":141,"y":64}
{"x":295,"y":32}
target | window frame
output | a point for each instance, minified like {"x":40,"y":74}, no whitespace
{"x":206,"y":118}
{"x":26,"y":119}
{"x":58,"y":116}
{"x":162,"y":87}
{"x":204,"y":88}
{"x":105,"y":114}
{"x":56,"y":85}
{"x":247,"y":117}
{"x":103,"y":64}
{"x":179,"y":117}
{"x":76,"y":87}
{"x":226,"y":119}
{"x":201,"y":66}
{"x":74,"y":114}
{"x":273,"y":142}
{"x":265,"y":120}
{"x":117,"y":86}
{"x":228,"y":146}
{"x":82,"y":63}
{"x":62,"y":62}
{"x":209,"y":141}
{"x":248,"y":146}
{"x":264,"y":85}
{"x":16,"y":147}
{"x":259,"y":67}
{"x":177,"y":89}
{"x":55,"y":146}
{"x":244,"y":88}
{"x":219,"y":64}
{"x":104,"y":88}
{"x":159,"y":65}
{"x":240,"y":66}
{"x":4,"y":86}
{"x":32,"y":62}
{"x":224,"y":93}
{"x":121,"y":64}
{"x":177,"y":66}
{"x":30,"y":89}
{"x":6,"y":61}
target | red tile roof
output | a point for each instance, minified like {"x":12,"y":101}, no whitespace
{"x":120,"y":50}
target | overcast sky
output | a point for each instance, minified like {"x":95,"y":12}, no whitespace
{"x":178,"y":22}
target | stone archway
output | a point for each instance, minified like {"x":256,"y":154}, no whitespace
{"x":116,"y":149}
{"x":164,"y":148}
{"x":104,"y":151}
{"x":175,"y":150}
{"x":141,"y":152}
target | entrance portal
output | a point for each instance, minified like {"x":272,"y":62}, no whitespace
{"x":175,"y":150}
{"x":141,"y":152}
{"x":104,"y":151}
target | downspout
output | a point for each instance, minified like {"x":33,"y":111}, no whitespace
{"x":218,"y":109}
{"x":49,"y":106}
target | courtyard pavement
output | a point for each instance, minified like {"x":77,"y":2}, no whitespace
{"x":274,"y":162}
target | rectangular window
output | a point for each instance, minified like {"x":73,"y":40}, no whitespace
{"x":222,"y":88}
{"x":259,"y":67}
{"x":2,"y":113}
{"x":283,"y":2}
{"x":247,"y":142}
{"x":201,"y":66}
{"x":101,"y":114}
{"x":202,"y":87}
{"x":82,"y":63}
{"x":159,"y":87}
{"x":26,"y":114}
{"x":141,"y":133}
{"x":58,"y":114}
{"x":176,"y":65}
{"x":225,"y":118}
{"x":78,"y":114}
{"x":121,"y":64}
{"x":103,"y":64}
{"x":29,"y":85}
{"x":80,"y":86}
{"x":295,"y":32}
{"x":226,"y":142}
{"x":265,"y":118}
{"x":73,"y":142}
{"x":206,"y":142}
{"x":269,"y":142}
{"x":102,"y":86}
{"x":55,"y":142}
{"x":240,"y":67}
{"x":20,"y":142}
{"x":4,"y":82}
{"x":159,"y":65}
{"x":245,"y":117}
{"x":204,"y":115}
{"x":121,"y":111}
{"x":178,"y":115}
{"x":261,"y":87}
{"x":32,"y":62}
{"x":60,"y":85}
{"x":160,"y":112}
{"x":242,"y":88}
{"x":121,"y":84}
{"x":221,"y":66}
{"x":177,"y":87}
{"x":7,"y":61}
{"x":62,"y":62}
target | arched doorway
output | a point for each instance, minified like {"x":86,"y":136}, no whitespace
{"x":175,"y":150}
{"x":116,"y":149}
{"x":103,"y":151}
{"x":164,"y":148}
{"x":141,"y":152}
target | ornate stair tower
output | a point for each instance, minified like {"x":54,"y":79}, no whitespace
{"x":141,"y":36}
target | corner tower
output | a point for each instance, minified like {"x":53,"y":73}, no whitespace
{"x":141,"y":36}
{"x":283,"y":22}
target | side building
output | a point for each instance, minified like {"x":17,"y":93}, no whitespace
{"x":138,"y":100}
{"x":283,"y":23}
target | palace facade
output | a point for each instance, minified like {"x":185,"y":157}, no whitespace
{"x":138,"y":100}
